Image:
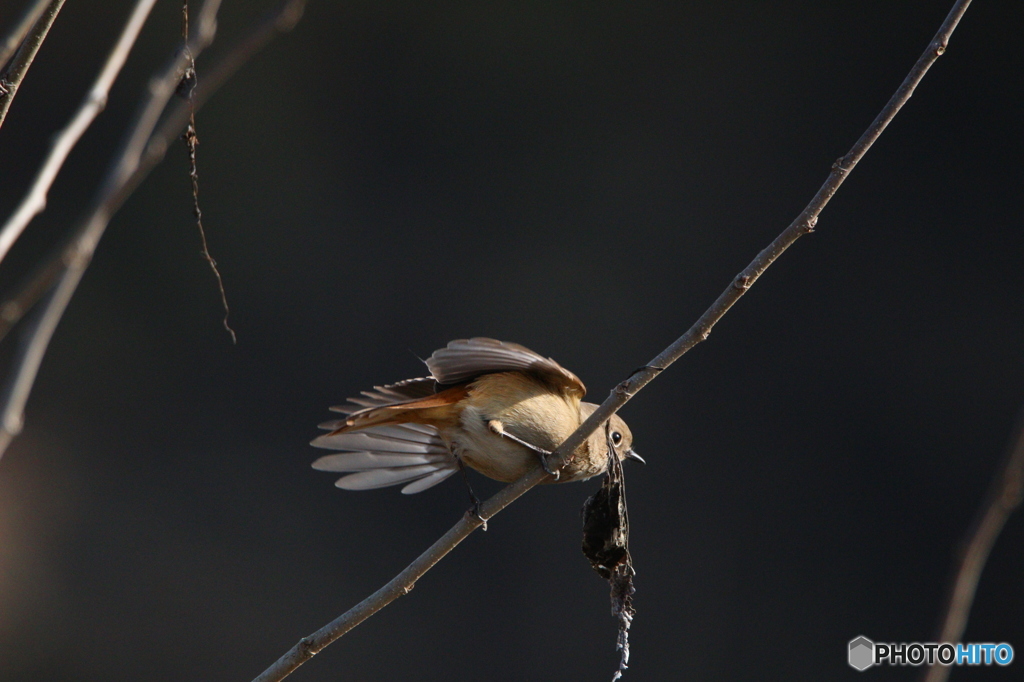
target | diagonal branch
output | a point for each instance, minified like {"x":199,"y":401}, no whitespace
{"x":1003,"y":498}
{"x":35,"y":201}
{"x":29,"y":35}
{"x":401,"y":584}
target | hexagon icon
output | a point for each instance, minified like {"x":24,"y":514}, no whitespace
{"x":862,"y":653}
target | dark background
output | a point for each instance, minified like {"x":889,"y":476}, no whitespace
{"x":584,"y":179}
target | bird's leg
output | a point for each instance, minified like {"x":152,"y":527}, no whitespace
{"x":474,"y":501}
{"x":497,"y":427}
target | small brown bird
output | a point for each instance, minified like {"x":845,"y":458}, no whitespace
{"x":495,"y":406}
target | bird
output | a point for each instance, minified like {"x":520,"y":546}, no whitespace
{"x":493,"y":406}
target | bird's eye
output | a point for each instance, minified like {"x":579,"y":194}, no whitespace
{"x":616,"y":437}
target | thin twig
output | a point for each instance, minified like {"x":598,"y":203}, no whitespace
{"x":401,"y":584}
{"x":14,"y":74}
{"x":90,"y":230}
{"x":188,"y":83}
{"x":35,"y":201}
{"x":1003,"y":498}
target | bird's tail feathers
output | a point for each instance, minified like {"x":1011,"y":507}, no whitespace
{"x":381,"y":456}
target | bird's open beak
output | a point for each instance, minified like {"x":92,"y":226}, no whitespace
{"x":631,"y":454}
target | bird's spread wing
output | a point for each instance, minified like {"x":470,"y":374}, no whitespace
{"x":380,"y":456}
{"x":467,"y":359}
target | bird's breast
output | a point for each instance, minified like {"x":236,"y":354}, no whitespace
{"x":525,"y":408}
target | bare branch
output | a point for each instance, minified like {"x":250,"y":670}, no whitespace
{"x":35,"y":201}
{"x":401,"y":584}
{"x":1003,"y":498}
{"x":77,"y":257}
{"x":30,"y":34}
{"x":42,"y":280}
{"x":141,"y":152}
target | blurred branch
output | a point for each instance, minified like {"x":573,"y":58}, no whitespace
{"x":142,"y":150}
{"x":29,"y":35}
{"x":401,"y":584}
{"x":280,"y":21}
{"x":35,"y":201}
{"x":1003,"y":498}
{"x":17,"y":35}
{"x":75,"y":259}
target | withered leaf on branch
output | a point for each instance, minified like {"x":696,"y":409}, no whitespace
{"x":606,"y":545}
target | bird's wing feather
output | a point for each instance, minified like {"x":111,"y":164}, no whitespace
{"x":466,"y":359}
{"x":392,"y":394}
